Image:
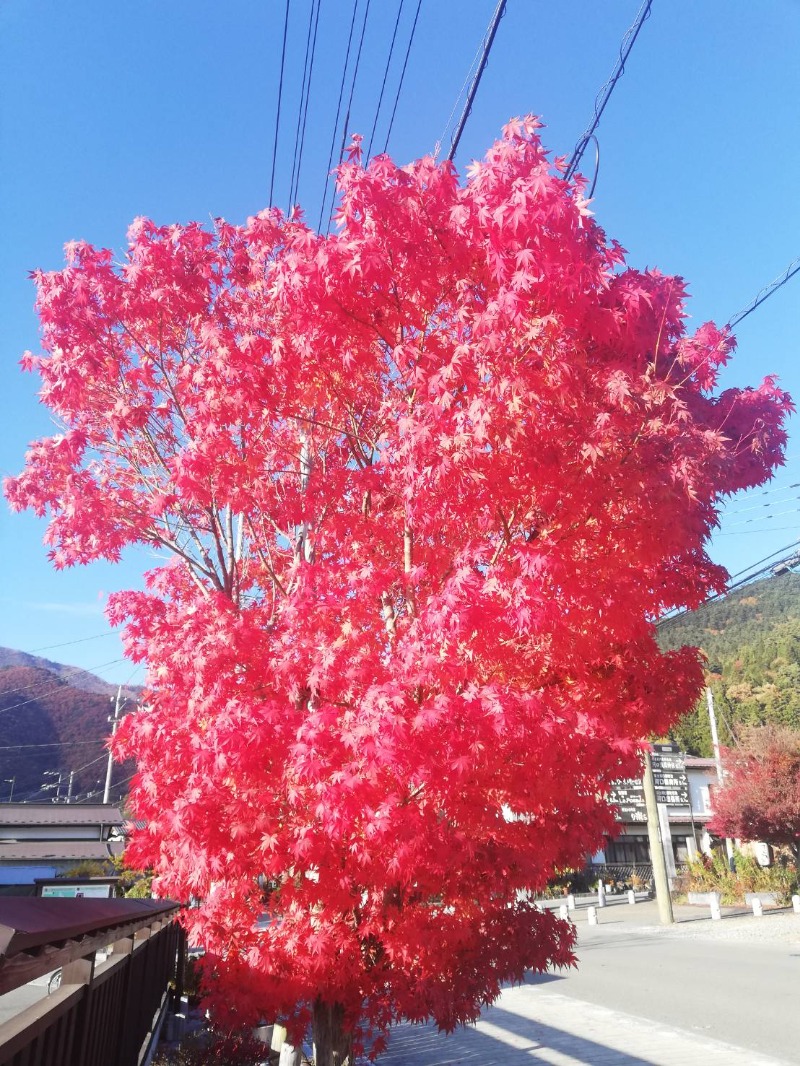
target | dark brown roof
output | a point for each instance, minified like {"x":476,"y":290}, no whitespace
{"x":28,"y":922}
{"x":39,"y":934}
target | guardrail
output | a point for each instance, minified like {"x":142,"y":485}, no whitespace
{"x":105,"y":1013}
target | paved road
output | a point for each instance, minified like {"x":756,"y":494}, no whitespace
{"x":716,"y":994}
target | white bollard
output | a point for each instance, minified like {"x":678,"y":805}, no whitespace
{"x":563,"y":911}
{"x":290,"y":1056}
{"x":591,"y":916}
{"x":601,"y":894}
{"x":716,"y":913}
{"x":796,"y":904}
{"x":758,"y":909}
{"x":631,"y":896}
{"x":571,"y":902}
{"x":264,"y":1033}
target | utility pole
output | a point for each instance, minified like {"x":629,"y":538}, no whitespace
{"x":10,"y":781}
{"x":660,"y":881}
{"x":69,"y":786}
{"x":118,"y":705}
{"x":718,"y":760}
{"x":55,"y":785}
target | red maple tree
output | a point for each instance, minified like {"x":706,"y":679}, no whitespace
{"x":760,"y":796}
{"x":426,"y":483}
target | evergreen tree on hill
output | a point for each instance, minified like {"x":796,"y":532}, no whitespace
{"x":751,"y":639}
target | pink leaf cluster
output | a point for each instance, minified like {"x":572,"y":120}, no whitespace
{"x":426,"y":483}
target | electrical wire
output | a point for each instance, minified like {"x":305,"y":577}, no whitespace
{"x":338,"y":113}
{"x":768,"y":517}
{"x":750,"y":532}
{"x":52,"y":744}
{"x":499,"y":11}
{"x":280,"y":96}
{"x":385,"y":76}
{"x":61,"y":677}
{"x":67,"y":643}
{"x":765,"y":293}
{"x":757,"y":506}
{"x":346,"y":122}
{"x":55,"y":688}
{"x":65,"y":773}
{"x":300,"y":134}
{"x":461,"y":92}
{"x":792,"y":559}
{"x":402,"y":75}
{"x":604,"y":95}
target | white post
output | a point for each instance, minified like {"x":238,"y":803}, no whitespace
{"x":796,"y":904}
{"x":591,"y":916}
{"x":631,"y":896}
{"x":290,"y":1056}
{"x":758,"y":909}
{"x":563,"y":911}
{"x":570,"y":902}
{"x":601,"y":894}
{"x":716,"y":913}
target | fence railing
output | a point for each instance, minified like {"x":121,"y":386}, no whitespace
{"x":109,"y":1004}
{"x":621,"y":871}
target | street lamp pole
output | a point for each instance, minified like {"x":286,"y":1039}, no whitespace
{"x":10,"y":781}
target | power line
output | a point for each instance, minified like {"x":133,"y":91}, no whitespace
{"x":54,"y":744}
{"x":46,"y":788}
{"x":768,"y":290}
{"x":604,"y":95}
{"x":305,"y":96}
{"x":55,"y":688}
{"x":338,"y":113}
{"x":499,"y":11}
{"x":751,"y":575}
{"x":346,"y":122}
{"x":280,"y":95}
{"x":461,"y":91}
{"x":61,"y":676}
{"x":402,"y":75}
{"x":68,"y":643}
{"x":750,"y":532}
{"x":757,"y":506}
{"x":768,"y":517}
{"x":385,"y":76}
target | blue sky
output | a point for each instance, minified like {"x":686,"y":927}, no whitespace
{"x":110,"y":111}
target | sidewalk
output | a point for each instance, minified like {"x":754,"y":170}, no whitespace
{"x":530,"y":1024}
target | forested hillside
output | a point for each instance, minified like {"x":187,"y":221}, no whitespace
{"x":752,"y":642}
{"x":47,"y":724}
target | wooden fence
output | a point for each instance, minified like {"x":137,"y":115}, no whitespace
{"x":108,"y":1006}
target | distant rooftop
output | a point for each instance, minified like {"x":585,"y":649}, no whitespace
{"x":60,"y":814}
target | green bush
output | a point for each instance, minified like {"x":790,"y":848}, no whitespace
{"x":711,"y":874}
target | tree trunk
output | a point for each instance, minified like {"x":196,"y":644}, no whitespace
{"x":333,"y":1046}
